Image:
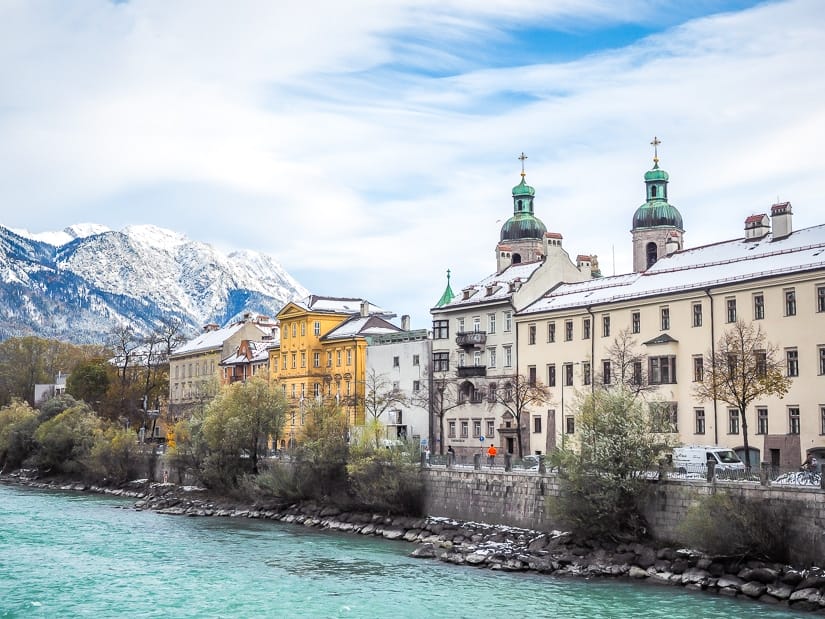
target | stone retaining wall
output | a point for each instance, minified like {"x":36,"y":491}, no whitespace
{"x":519,"y":499}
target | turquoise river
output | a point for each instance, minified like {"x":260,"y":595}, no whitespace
{"x":80,"y":555}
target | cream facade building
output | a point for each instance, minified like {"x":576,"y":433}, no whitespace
{"x":672,"y":311}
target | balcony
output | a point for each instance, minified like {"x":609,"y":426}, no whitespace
{"x":469,"y":371}
{"x":471,"y":339}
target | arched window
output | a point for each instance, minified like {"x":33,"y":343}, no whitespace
{"x":651,"y":253}
{"x":519,"y":205}
{"x":516,"y":259}
{"x":653,"y":191}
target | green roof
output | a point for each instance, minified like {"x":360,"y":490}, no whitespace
{"x":448,"y":294}
{"x":523,"y":189}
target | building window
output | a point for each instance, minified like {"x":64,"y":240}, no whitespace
{"x":551,"y":332}
{"x":568,"y":374}
{"x":568,"y":330}
{"x":491,"y":428}
{"x":731,"y":309}
{"x":699,"y":426}
{"x":316,"y":389}
{"x":491,"y":323}
{"x":761,"y":362}
{"x":761,"y":420}
{"x":665,"y":311}
{"x":476,"y":324}
{"x":551,"y":374}
{"x":758,"y":306}
{"x":416,"y":360}
{"x":531,"y":335}
{"x":508,"y":321}
{"x":697,"y":314}
{"x":338,"y":358}
{"x":822,"y":419}
{"x":294,"y":330}
{"x":606,"y":372}
{"x":605,"y":326}
{"x":465,"y":429}
{"x":531,"y":375}
{"x":303,"y":329}
{"x":459,"y":325}
{"x":451,"y":429}
{"x":416,"y":386}
{"x":294,"y":360}
{"x":792,"y":360}
{"x":349,"y":356}
{"x":790,"y":302}
{"x":664,"y":417}
{"x":316,"y":328}
{"x":303,"y":359}
{"x":586,"y":372}
{"x":586,"y":329}
{"x":698,"y":369}
{"x":462,"y":359}
{"x":441,"y":329}
{"x":793,"y":420}
{"x":822,"y":360}
{"x":316,"y":359}
{"x":570,"y":425}
{"x":637,"y":372}
{"x":441,"y":361}
{"x":536,"y":424}
{"x":491,"y":356}
{"x":733,"y":421}
{"x":635,"y":322}
{"x":651,"y":252}
{"x":329,"y":358}
{"x":508,"y":356}
{"x":662,"y":370}
{"x":476,"y":428}
{"x":820,"y":298}
{"x":492,"y":392}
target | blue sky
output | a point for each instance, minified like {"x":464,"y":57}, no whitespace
{"x":371,"y":145}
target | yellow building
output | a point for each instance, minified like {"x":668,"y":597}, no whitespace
{"x":322,"y":356}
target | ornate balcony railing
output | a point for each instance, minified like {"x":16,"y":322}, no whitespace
{"x":470,"y":339}
{"x":468,"y":371}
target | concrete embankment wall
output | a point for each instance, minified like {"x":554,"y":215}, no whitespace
{"x":520,"y":499}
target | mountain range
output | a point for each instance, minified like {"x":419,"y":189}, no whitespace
{"x":77,"y":284}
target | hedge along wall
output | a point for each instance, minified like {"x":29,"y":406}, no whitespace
{"x":519,"y":499}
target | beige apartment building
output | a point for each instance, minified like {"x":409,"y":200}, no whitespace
{"x":671,"y":313}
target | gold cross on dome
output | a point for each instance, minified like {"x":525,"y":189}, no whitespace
{"x":655,"y":144}
{"x":522,"y":157}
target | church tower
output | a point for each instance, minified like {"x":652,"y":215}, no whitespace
{"x":522,"y":236}
{"x":657,"y":226}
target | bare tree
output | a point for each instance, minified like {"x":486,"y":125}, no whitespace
{"x":627,"y":365}
{"x":441,"y":396}
{"x":743,"y":367}
{"x":518,"y":395}
{"x":380,"y":395}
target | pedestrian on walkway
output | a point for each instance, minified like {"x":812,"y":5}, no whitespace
{"x":491,"y":454}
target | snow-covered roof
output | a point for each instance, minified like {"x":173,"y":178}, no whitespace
{"x":337,"y":305}
{"x":700,"y":267}
{"x":259,"y":350}
{"x":498,"y":285}
{"x":361,"y":325}
{"x":214,"y":339}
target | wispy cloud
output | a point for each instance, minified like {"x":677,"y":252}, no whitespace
{"x":371,"y":145}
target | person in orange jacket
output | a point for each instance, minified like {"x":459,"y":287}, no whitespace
{"x":491,"y":453}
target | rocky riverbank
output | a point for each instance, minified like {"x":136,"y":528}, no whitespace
{"x":502,"y":548}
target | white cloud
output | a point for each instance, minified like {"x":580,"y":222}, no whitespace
{"x":328,"y":134}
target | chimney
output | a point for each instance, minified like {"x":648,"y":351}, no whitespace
{"x":583,"y":264}
{"x":365,"y":309}
{"x":781,"y":220}
{"x":405,"y":322}
{"x":210,"y":327}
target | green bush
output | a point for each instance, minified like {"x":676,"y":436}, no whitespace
{"x":65,"y":441}
{"x":385,"y":481}
{"x":116,"y":456}
{"x":18,"y":421}
{"x":720,"y":524}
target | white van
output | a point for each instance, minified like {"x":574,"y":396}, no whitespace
{"x":695,"y":458}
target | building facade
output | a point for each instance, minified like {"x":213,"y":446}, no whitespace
{"x":668,"y":315}
{"x":322,"y":355}
{"x":475,"y":340}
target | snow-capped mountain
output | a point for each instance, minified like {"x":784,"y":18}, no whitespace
{"x":76,"y":284}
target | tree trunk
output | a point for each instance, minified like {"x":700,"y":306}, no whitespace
{"x":745,"y":439}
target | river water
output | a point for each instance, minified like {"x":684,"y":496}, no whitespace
{"x":79,"y":555}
